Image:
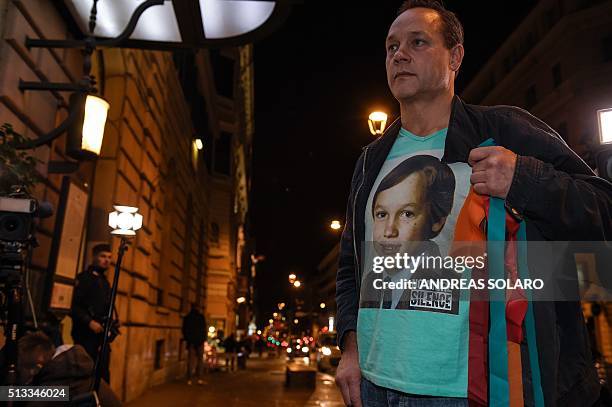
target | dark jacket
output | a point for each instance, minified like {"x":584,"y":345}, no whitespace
{"x":553,"y":189}
{"x":91,"y":300}
{"x":72,"y":368}
{"x":230,"y":344}
{"x":194,"y":328}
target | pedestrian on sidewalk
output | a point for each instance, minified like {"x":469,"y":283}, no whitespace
{"x":260,"y":345}
{"x":231,"y":347}
{"x":194,"y":333}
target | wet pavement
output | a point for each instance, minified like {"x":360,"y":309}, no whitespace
{"x":261,"y":384}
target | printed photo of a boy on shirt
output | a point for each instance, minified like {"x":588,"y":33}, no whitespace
{"x":409,"y":208}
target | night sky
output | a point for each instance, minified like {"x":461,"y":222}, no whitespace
{"x":316,"y":80}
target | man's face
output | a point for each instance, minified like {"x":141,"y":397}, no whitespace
{"x":401,"y":216}
{"x":418,"y":62}
{"x":103,"y":260}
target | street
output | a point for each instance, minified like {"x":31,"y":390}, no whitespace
{"x":262,"y":383}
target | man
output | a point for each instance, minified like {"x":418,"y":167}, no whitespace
{"x":420,"y":356}
{"x":90,"y":303}
{"x":40,"y":363}
{"x":230,"y":344}
{"x":194,"y":333}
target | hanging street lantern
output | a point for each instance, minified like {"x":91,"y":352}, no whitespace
{"x":86,"y":133}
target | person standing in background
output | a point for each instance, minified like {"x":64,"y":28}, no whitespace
{"x":90,"y":304}
{"x":194,"y":333}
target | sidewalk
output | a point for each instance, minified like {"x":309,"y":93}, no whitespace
{"x":262,"y":383}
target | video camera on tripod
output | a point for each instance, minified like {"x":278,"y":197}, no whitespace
{"x":17,"y":239}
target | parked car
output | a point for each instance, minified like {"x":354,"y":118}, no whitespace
{"x":328,"y":352}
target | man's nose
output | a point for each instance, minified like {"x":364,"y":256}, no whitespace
{"x":402,"y":55}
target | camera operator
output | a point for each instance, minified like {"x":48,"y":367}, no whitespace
{"x":40,"y":363}
{"x":90,"y":304}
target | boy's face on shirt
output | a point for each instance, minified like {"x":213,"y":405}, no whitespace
{"x":401,"y":216}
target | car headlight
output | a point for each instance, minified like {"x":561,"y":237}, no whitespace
{"x":326,"y":351}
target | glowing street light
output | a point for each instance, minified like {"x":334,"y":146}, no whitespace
{"x":281,"y":305}
{"x":292,"y":278}
{"x":295,"y":321}
{"x":125,"y":220}
{"x":603,"y":152}
{"x":275,"y":314}
{"x":86,"y":131}
{"x":94,"y":120}
{"x":211,"y":329}
{"x":199,"y":144}
{"x":322,"y":305}
{"x":240,"y":300}
{"x":335,"y":225}
{"x":377,"y":121}
{"x":271,"y":321}
{"x":604,"y":119}
{"x":297,"y":284}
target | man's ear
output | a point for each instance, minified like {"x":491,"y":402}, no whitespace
{"x":456,"y":57}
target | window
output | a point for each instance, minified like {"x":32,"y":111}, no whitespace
{"x":607,"y":48}
{"x":531,"y":97}
{"x":223,"y":71}
{"x":556,"y":74}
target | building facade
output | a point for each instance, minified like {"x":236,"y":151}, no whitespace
{"x":193,"y":197}
{"x":557,"y":64}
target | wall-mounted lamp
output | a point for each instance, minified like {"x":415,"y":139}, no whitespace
{"x":199,"y":144}
{"x":86,"y":133}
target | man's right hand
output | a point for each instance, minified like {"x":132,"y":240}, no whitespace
{"x":348,"y":374}
{"x":96,"y":327}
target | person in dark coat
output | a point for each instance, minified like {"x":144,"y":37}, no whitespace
{"x":194,"y":333}
{"x":90,"y":304}
{"x":40,"y":363}
{"x":231,"y":348}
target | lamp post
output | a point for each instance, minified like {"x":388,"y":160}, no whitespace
{"x":335,"y":225}
{"x":377,"y":121}
{"x":125,"y":221}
